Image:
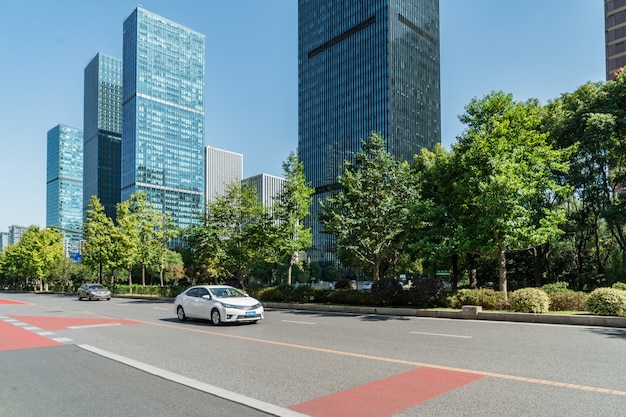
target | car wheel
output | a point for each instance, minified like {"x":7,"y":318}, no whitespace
{"x":180,"y":313}
{"x":216,"y":319}
{"x":79,"y":297}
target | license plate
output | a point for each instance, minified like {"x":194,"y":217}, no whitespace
{"x":250,"y":313}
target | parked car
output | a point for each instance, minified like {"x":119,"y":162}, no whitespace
{"x":94,"y":292}
{"x":217,"y":303}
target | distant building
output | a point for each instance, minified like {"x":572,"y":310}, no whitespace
{"x":16,"y":233}
{"x":268,"y":187}
{"x":363,"y":66}
{"x":163,"y":115}
{"x":4,"y":240}
{"x":615,"y":36}
{"x":102,"y":132}
{"x":64,"y":183}
{"x":221,"y":168}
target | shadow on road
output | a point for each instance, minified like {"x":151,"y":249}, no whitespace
{"x":611,"y":332}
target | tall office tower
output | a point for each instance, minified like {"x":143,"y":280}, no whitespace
{"x":15,"y":233}
{"x":103,"y":132}
{"x":64,"y":184}
{"x":615,"y":35}
{"x":4,"y":240}
{"x":163,"y":115}
{"x":267,"y":186}
{"x":363,"y":66}
{"x":221,"y":168}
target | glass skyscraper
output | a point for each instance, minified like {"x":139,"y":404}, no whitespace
{"x":615,"y":36}
{"x":103,"y":132}
{"x":163,"y":115}
{"x":64,"y":183}
{"x":363,"y":66}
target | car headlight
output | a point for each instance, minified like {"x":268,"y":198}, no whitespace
{"x":231,"y":306}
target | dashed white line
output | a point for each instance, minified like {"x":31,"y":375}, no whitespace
{"x":93,"y":325}
{"x":443,"y":335}
{"x":297,"y":322}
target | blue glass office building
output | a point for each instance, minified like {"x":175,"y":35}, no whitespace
{"x":364,"y":66}
{"x":163,"y":115}
{"x":103,"y":132}
{"x":64,"y":183}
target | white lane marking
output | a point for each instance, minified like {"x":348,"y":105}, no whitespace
{"x":62,"y":339}
{"x":443,"y":335}
{"x":44,"y":333}
{"x":297,"y":322}
{"x":163,"y":309}
{"x":200,"y":386}
{"x":94,"y":325}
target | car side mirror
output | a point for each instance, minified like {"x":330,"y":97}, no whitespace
{"x":206,"y":297}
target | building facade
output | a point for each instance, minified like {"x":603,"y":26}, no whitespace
{"x":221,"y":168}
{"x":615,"y":35}
{"x":364,"y":66}
{"x":267,"y":187}
{"x":102,"y":130}
{"x":15,"y":234}
{"x":64,"y":183}
{"x":163,"y":115}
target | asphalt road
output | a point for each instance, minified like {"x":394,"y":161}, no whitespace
{"x":318,"y":364}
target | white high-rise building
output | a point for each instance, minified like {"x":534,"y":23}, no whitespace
{"x":221,"y":168}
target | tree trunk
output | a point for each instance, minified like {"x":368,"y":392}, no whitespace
{"x":502,"y":270}
{"x":289,"y":269}
{"x":471,"y":268}
{"x":454,"y":278}
{"x":143,"y":274}
{"x":538,"y":264}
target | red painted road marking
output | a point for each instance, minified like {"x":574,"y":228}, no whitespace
{"x":14,"y":338}
{"x":62,"y":323}
{"x":5,"y":301}
{"x":388,"y":396}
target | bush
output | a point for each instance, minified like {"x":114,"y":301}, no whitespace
{"x":568,"y":301}
{"x":348,"y":297}
{"x":343,"y":284}
{"x":487,"y":298}
{"x":619,"y":286}
{"x":557,"y":288}
{"x":426,"y":292}
{"x":607,"y":302}
{"x":386,"y":292}
{"x":277,"y":293}
{"x":530,"y":300}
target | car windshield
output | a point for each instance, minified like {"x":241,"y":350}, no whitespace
{"x":97,"y":287}
{"x":227,"y":292}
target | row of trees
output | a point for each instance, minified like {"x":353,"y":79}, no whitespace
{"x":536,"y":191}
{"x":528,"y":195}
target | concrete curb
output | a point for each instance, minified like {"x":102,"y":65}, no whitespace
{"x":467,"y":313}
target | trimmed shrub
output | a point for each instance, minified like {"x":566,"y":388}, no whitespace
{"x":348,"y":297}
{"x":343,"y":284}
{"x":619,"y":286}
{"x":568,"y":301}
{"x":530,"y":300}
{"x":277,"y":293}
{"x":426,"y":292}
{"x":560,"y":287}
{"x":487,"y":298}
{"x":386,"y":291}
{"x":607,"y":302}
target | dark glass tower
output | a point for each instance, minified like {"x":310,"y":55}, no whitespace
{"x":364,"y":66}
{"x":103,"y":132}
{"x":615,"y":36}
{"x":163,"y":115}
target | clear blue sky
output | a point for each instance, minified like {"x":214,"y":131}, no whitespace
{"x":531,"y":48}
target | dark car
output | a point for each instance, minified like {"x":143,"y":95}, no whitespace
{"x":94,"y":292}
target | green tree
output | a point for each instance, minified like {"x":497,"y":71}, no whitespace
{"x":232,"y":235}
{"x":507,"y":170}
{"x":32,"y":257}
{"x":289,"y":236}
{"x":127,"y":249}
{"x":101,"y":237}
{"x":370,"y":214}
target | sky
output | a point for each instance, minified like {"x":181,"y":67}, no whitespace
{"x":531,"y":49}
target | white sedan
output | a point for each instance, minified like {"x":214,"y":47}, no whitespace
{"x":217,"y":303}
